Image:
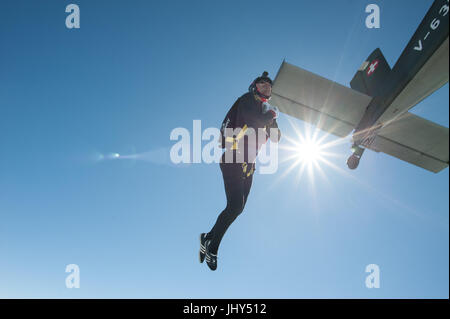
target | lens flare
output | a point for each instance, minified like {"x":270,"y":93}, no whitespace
{"x":309,"y":151}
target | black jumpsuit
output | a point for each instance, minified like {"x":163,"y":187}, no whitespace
{"x":238,"y":176}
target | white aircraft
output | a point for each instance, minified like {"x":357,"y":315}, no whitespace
{"x":376,"y":106}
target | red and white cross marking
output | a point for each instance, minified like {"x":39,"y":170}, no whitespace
{"x":372,"y":67}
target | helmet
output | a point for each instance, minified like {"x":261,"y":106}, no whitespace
{"x":263,"y":78}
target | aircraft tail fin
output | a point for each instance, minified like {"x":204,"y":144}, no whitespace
{"x":372,"y":74}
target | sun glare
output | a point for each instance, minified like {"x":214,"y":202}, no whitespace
{"x":309,"y":151}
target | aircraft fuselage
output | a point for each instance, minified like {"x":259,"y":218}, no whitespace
{"x":421,"y":69}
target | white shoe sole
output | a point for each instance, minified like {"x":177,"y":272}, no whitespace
{"x":202,"y":252}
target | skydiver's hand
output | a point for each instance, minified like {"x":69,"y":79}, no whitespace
{"x":270,"y":108}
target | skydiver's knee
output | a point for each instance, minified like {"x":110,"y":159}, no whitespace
{"x":236,"y":208}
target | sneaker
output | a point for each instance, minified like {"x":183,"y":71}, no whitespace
{"x":211,"y":259}
{"x":202,"y":251}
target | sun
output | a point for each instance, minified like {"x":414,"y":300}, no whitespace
{"x":306,"y":149}
{"x":309,"y":152}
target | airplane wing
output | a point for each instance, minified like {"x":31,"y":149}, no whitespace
{"x":415,"y":140}
{"x":330,"y":106}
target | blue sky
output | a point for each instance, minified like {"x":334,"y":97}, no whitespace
{"x":136,"y":70}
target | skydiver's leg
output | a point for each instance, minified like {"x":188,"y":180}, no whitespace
{"x":247,"y":185}
{"x":237,"y":190}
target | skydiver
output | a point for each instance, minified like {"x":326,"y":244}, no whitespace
{"x":251,"y":110}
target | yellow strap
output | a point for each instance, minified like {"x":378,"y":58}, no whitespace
{"x":234,"y":140}
{"x":242,"y":132}
{"x":251,"y":172}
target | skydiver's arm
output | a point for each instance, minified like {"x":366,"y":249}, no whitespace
{"x":249,"y":115}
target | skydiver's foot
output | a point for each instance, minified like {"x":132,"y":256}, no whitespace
{"x":202,"y":251}
{"x":211,"y":258}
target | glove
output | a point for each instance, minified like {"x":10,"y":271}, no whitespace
{"x":270,"y":108}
